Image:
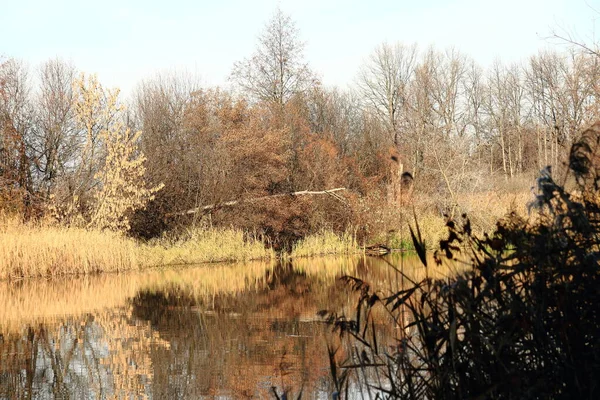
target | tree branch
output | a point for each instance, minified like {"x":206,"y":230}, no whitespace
{"x":209,"y":207}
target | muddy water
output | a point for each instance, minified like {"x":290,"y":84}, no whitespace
{"x":224,"y":331}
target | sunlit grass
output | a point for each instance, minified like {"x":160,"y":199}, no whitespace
{"x":201,"y":246}
{"x":388,"y":223}
{"x":432,"y":227}
{"x":44,"y":250}
{"x":325,"y":243}
{"x":29,"y":250}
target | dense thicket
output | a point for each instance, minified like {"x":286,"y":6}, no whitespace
{"x":434,"y":113}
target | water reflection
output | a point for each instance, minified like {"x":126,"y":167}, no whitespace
{"x":227,"y":330}
{"x":93,"y":356}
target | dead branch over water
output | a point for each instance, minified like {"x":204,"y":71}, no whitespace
{"x":210,"y":207}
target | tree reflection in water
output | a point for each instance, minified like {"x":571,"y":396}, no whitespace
{"x":94,"y":356}
{"x":163,"y":335}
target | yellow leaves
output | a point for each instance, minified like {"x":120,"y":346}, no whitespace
{"x":110,"y":171}
{"x":123,"y":189}
{"x":94,"y":106}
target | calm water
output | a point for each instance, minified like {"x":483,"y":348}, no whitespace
{"x":226,"y":331}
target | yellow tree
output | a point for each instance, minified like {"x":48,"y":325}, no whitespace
{"x":111,"y":165}
{"x":122,"y":188}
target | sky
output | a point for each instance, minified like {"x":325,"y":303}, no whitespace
{"x":125,"y":41}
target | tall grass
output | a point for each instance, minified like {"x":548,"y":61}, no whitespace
{"x":43,"y":250}
{"x":325,"y":243}
{"x":198,"y":246}
{"x":432,"y":231}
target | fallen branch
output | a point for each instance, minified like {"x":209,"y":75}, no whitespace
{"x":209,"y":207}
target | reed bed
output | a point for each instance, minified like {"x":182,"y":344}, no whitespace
{"x":484,"y":209}
{"x":199,"y":246}
{"x":30,"y":250}
{"x":45,"y":250}
{"x":325,"y":243}
{"x":432,"y":229}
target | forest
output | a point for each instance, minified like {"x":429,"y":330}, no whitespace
{"x":280,"y":157}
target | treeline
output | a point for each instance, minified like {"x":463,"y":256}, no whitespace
{"x":71,"y":149}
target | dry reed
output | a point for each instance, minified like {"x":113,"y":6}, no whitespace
{"x":325,"y":243}
{"x":198,"y":246}
{"x":45,"y":250}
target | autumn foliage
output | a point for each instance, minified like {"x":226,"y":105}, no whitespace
{"x":421,"y":128}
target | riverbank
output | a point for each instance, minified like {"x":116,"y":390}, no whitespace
{"x":38,"y":249}
{"x":44,"y":249}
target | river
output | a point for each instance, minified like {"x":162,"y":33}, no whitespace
{"x":211,"y":331}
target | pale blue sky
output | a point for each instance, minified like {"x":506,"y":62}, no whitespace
{"x":125,"y":41}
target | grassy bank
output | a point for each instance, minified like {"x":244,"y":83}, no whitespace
{"x":389,"y":224}
{"x":204,"y":246}
{"x":325,"y":243}
{"x":38,"y":249}
{"x":43,"y":250}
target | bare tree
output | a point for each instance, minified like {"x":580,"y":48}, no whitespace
{"x":565,"y":36}
{"x":475,"y":121}
{"x":579,"y":93}
{"x":383,"y":82}
{"x":16,"y":117}
{"x":505,"y":110}
{"x":437,"y":106}
{"x":174,"y":145}
{"x":448,"y":72}
{"x":336,"y":114}
{"x":55,"y":137}
{"x":277,"y":70}
{"x":548,"y":95}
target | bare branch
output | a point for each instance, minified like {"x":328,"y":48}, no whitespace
{"x":331,"y":192}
